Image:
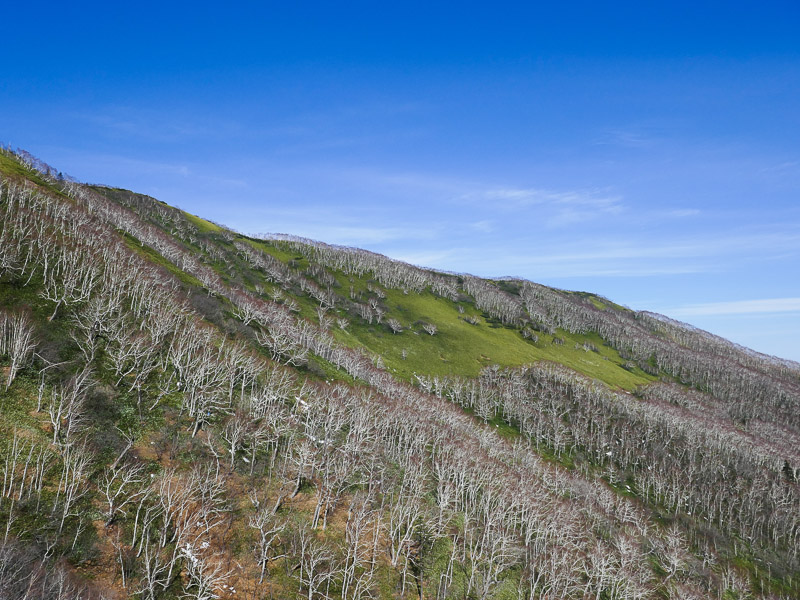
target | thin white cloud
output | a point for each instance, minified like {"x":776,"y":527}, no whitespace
{"x":129,"y":123}
{"x":685,"y":249}
{"x":571,"y":216}
{"x":740,"y":307}
{"x":555,"y":209}
{"x":627,"y":138}
{"x":790,"y":165}
{"x":681,"y":213}
{"x":619,"y":259}
{"x":118,"y":168}
{"x":369,"y":235}
{"x":520,"y":197}
{"x":485,"y":226}
{"x":538,"y":269}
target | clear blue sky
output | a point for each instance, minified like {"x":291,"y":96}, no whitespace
{"x":646,"y":151}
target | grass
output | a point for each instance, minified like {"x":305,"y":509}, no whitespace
{"x":11,"y":167}
{"x":15,"y":294}
{"x":17,"y":405}
{"x":203,"y":225}
{"x":321,"y":369}
{"x":461,"y":348}
{"x":274,"y":249}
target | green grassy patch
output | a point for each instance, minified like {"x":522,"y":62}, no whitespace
{"x":201,"y":224}
{"x":17,"y":406}
{"x":461,"y":348}
{"x":275,"y":249}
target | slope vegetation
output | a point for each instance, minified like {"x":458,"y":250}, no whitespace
{"x":188,"y":412}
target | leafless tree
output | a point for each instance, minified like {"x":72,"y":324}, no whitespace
{"x":430,"y":328}
{"x":73,"y":484}
{"x":316,"y":566}
{"x":66,"y":407}
{"x":204,"y":576}
{"x":359,"y":564}
{"x":16,"y":341}
{"x":69,"y":278}
{"x":120,"y":485}
{"x":268,"y":528}
{"x":283,"y":346}
{"x":394,"y":325}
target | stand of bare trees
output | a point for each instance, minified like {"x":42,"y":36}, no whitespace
{"x":415,"y":486}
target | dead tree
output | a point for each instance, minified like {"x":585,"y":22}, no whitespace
{"x":16,"y":341}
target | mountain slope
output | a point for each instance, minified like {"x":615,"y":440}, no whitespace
{"x":193,"y":412}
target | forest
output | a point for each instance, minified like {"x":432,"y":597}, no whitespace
{"x":187,"y":411}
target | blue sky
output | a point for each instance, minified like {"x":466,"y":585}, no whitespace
{"x":649,"y":152}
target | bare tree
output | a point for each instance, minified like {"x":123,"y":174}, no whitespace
{"x":66,"y":407}
{"x":358,"y":567}
{"x":120,"y":485}
{"x":16,"y":341}
{"x":69,"y":279}
{"x":73,"y":484}
{"x":268,"y":528}
{"x":204,"y":576}
{"x":316,"y":564}
{"x":394,"y":325}
{"x":156,"y":566}
{"x":284,"y":346}
{"x":234,"y":433}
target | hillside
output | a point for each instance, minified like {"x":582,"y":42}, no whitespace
{"x":190,"y":412}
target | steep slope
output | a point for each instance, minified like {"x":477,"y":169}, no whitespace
{"x":193,"y":412}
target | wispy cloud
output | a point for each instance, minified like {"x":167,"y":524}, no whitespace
{"x":156,"y":126}
{"x":368,"y":235}
{"x":554,"y":266}
{"x":519,"y":197}
{"x":474,"y":191}
{"x":739,"y":307}
{"x":624,"y":259}
{"x":126,"y":122}
{"x":484,"y":226}
{"x":790,"y":165}
{"x":572,"y":216}
{"x":554,"y":208}
{"x":680,"y":213}
{"x":700,"y":247}
{"x":628,"y":138}
{"x":551,"y":208}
